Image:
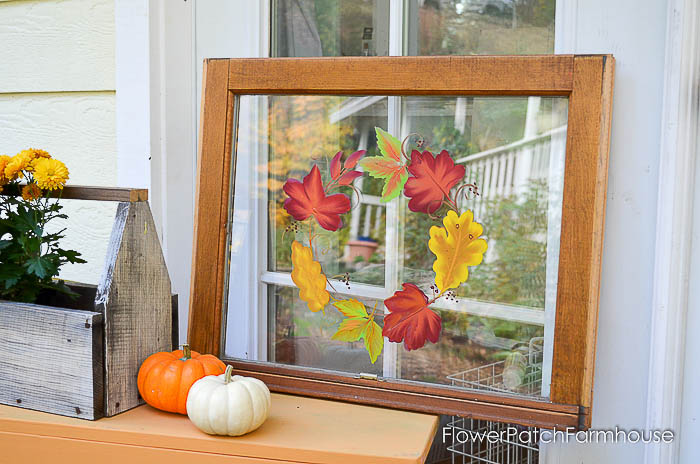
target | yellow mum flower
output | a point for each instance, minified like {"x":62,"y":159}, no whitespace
{"x":39,"y":153}
{"x":307,"y":275}
{"x":50,"y":174}
{"x":18,"y":163}
{"x":4,"y":159}
{"x":31,"y":192}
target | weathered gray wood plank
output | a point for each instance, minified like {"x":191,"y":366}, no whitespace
{"x":135,"y":297}
{"x":51,"y":359}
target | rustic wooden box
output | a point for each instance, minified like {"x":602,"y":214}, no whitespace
{"x":83,"y":361}
{"x":52,"y":359}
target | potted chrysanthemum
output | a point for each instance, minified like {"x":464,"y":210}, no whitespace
{"x":30,"y":253}
{"x":75,"y":348}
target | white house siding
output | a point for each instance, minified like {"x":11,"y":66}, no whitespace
{"x":57,"y":92}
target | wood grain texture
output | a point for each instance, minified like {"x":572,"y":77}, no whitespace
{"x":588,"y":82}
{"x":433,"y":401}
{"x":134,"y":295}
{"x":423,"y":75}
{"x":55,"y":45}
{"x":298,"y":429}
{"x":26,"y":448}
{"x":583,"y":217}
{"x":204,"y":330}
{"x":52,"y":359}
{"x":78,"y":192}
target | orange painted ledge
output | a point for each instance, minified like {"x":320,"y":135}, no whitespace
{"x":299,"y":430}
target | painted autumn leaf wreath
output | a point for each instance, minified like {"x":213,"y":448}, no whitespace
{"x":429,"y":182}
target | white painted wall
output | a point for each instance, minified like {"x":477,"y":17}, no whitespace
{"x":57,"y":92}
{"x":635,"y":35}
{"x":689,"y":451}
{"x":181,"y":35}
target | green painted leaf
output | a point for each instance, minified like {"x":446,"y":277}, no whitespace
{"x":358,"y":324}
{"x":350,"y":329}
{"x":351,"y":308}
{"x":374,"y":340}
{"x":389,"y":167}
{"x":388,"y":145}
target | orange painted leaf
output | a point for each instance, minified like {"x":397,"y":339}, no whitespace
{"x":410,"y":320}
{"x":309,"y":277}
{"x":433,"y":178}
{"x":388,"y":167}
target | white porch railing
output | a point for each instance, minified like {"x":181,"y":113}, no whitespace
{"x":507,"y":169}
{"x":498,"y":172}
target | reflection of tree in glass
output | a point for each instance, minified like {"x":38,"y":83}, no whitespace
{"x":455,"y":27}
{"x":299,"y":134}
{"x":515,"y":273}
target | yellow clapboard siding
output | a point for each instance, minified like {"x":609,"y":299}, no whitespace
{"x":52,"y":45}
{"x":79,"y":129}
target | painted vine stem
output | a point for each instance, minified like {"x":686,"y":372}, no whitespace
{"x":432,"y":183}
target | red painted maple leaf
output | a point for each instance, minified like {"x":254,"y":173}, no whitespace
{"x":308,"y":198}
{"x":342,"y":173}
{"x":411,"y":321}
{"x":433,"y":178}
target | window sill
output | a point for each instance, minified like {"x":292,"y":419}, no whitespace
{"x":298,"y":430}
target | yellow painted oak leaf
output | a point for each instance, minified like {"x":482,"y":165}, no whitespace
{"x":456,"y":246}
{"x":308,"y":276}
{"x":358,"y":324}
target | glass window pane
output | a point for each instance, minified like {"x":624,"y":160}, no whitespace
{"x":303,"y":338}
{"x":512,"y":149}
{"x":479,"y":27}
{"x":304,"y":131}
{"x":495,"y":325}
{"x":330,"y":28}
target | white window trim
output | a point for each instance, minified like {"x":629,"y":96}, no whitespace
{"x":674,"y":226}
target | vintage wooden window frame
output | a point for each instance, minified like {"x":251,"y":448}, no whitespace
{"x":587,"y":81}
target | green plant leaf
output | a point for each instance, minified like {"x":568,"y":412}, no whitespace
{"x":70,"y":256}
{"x":10,"y":271}
{"x":31,"y":244}
{"x":39,"y":266}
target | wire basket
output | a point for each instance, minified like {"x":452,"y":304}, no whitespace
{"x":470,"y":444}
{"x":520,"y":374}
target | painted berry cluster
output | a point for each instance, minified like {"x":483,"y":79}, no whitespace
{"x":432,"y":184}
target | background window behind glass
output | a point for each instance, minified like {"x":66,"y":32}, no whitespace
{"x":330,"y":28}
{"x":479,"y":27}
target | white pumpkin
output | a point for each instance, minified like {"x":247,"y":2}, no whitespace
{"x":228,"y":405}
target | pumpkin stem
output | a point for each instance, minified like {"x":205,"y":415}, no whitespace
{"x":228,"y":373}
{"x":186,"y":352}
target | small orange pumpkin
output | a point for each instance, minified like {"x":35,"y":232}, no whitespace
{"x":165,"y":378}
